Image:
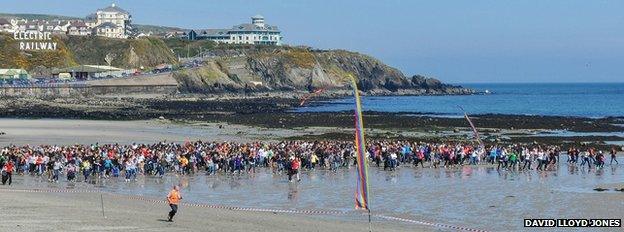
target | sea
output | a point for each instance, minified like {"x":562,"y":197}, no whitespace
{"x":594,"y":100}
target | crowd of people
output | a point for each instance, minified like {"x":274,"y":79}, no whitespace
{"x":288,"y":157}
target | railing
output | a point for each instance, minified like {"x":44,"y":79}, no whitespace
{"x":46,"y":85}
{"x":57,"y":83}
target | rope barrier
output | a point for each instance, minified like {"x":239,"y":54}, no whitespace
{"x":234,"y":208}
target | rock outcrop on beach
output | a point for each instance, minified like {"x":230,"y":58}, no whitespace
{"x":261,"y":68}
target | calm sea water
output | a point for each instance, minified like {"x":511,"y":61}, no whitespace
{"x":561,"y":99}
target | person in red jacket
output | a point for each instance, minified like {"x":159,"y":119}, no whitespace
{"x":7,"y":173}
{"x":295,"y":165}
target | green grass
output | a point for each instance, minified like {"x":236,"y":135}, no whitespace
{"x":184,"y":48}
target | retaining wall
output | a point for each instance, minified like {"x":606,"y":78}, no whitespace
{"x":158,"y":84}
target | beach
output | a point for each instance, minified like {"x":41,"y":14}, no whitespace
{"x":82,"y":212}
{"x":472,"y":197}
{"x":63,"y":132}
{"x":410,"y":198}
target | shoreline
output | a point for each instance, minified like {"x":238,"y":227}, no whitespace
{"x":258,"y":113}
{"x":281,"y":127}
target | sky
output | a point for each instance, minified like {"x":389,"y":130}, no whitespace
{"x":472,"y":41}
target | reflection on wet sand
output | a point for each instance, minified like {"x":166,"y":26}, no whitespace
{"x":462,"y":196}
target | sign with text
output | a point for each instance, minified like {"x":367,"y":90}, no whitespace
{"x":562,"y":222}
{"x":35,"y":40}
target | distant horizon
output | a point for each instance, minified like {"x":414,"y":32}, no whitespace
{"x":580,"y":82}
{"x":562,"y":41}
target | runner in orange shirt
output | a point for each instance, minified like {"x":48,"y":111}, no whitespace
{"x":174,"y":198}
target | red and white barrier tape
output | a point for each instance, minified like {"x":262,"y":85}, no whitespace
{"x":307,"y":212}
{"x":391,"y":218}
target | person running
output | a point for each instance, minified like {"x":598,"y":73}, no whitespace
{"x":600,"y":158}
{"x":7,"y":173}
{"x":528,"y":159}
{"x":513,"y":159}
{"x":613,"y":156}
{"x":173,"y":198}
{"x":71,"y":172}
{"x":57,"y":167}
{"x":294,"y":166}
{"x":585,"y":156}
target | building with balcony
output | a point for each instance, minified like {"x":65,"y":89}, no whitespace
{"x":256,"y":32}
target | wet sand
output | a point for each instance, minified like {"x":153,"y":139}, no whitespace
{"x":72,"y":131}
{"x":67,"y":132}
{"x":476,"y":197}
{"x":82,"y":212}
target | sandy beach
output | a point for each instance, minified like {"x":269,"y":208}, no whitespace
{"x":565,"y":193}
{"x":60,"y":131}
{"x":82,"y":212}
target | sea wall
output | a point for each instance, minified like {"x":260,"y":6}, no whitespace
{"x":162,"y":84}
{"x":85,"y":91}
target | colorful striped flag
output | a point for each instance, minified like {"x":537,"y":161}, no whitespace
{"x":361,"y":191}
{"x":474,"y":129}
{"x":306,"y":97}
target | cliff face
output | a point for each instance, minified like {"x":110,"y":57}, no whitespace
{"x":125,"y":53}
{"x":287,"y":68}
{"x":228,"y":68}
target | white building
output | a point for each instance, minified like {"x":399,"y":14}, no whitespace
{"x":78,"y":28}
{"x":112,"y":22}
{"x":56,"y":27}
{"x":6,"y":26}
{"x":110,"y":30}
{"x":256,"y":32}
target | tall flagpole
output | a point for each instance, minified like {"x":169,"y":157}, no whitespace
{"x":362,"y":190}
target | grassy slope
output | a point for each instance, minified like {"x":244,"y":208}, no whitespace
{"x":73,"y":50}
{"x":182,"y":47}
{"x":12,"y":57}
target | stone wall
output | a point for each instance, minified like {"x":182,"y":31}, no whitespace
{"x":86,"y":91}
{"x":162,"y":84}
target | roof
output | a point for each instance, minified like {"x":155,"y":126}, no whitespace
{"x":4,"y":21}
{"x":252,"y":27}
{"x":77,"y":24}
{"x":114,"y":8}
{"x":257,"y":17}
{"x":12,"y":72}
{"x":87,"y":68}
{"x":212,"y":32}
{"x":107,"y":24}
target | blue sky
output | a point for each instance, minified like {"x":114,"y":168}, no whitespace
{"x":455,"y":41}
